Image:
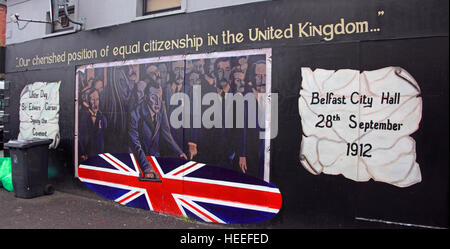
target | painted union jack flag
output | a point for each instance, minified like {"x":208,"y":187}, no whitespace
{"x":190,"y":189}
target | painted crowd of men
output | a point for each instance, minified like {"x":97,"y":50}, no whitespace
{"x":127,"y":108}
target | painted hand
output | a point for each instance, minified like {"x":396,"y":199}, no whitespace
{"x":243,"y":164}
{"x":192,"y":150}
{"x":183,"y":156}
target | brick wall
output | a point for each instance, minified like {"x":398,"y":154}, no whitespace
{"x":2,"y":24}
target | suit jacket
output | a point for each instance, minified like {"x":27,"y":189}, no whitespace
{"x":144,"y":134}
{"x":91,"y":135}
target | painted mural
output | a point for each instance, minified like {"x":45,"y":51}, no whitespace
{"x":359,"y":124}
{"x":39,"y":112}
{"x":363,"y":104}
{"x":210,"y":108}
{"x":187,"y":188}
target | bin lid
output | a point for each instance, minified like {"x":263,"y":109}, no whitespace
{"x":23,"y":144}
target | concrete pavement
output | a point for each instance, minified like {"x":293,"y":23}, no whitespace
{"x":68,"y":211}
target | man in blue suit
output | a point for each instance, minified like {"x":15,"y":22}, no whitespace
{"x":148,"y":123}
{"x":92,"y":127}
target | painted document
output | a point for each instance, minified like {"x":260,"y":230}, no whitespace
{"x":359,"y":124}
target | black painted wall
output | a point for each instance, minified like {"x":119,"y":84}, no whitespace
{"x":413,"y":35}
